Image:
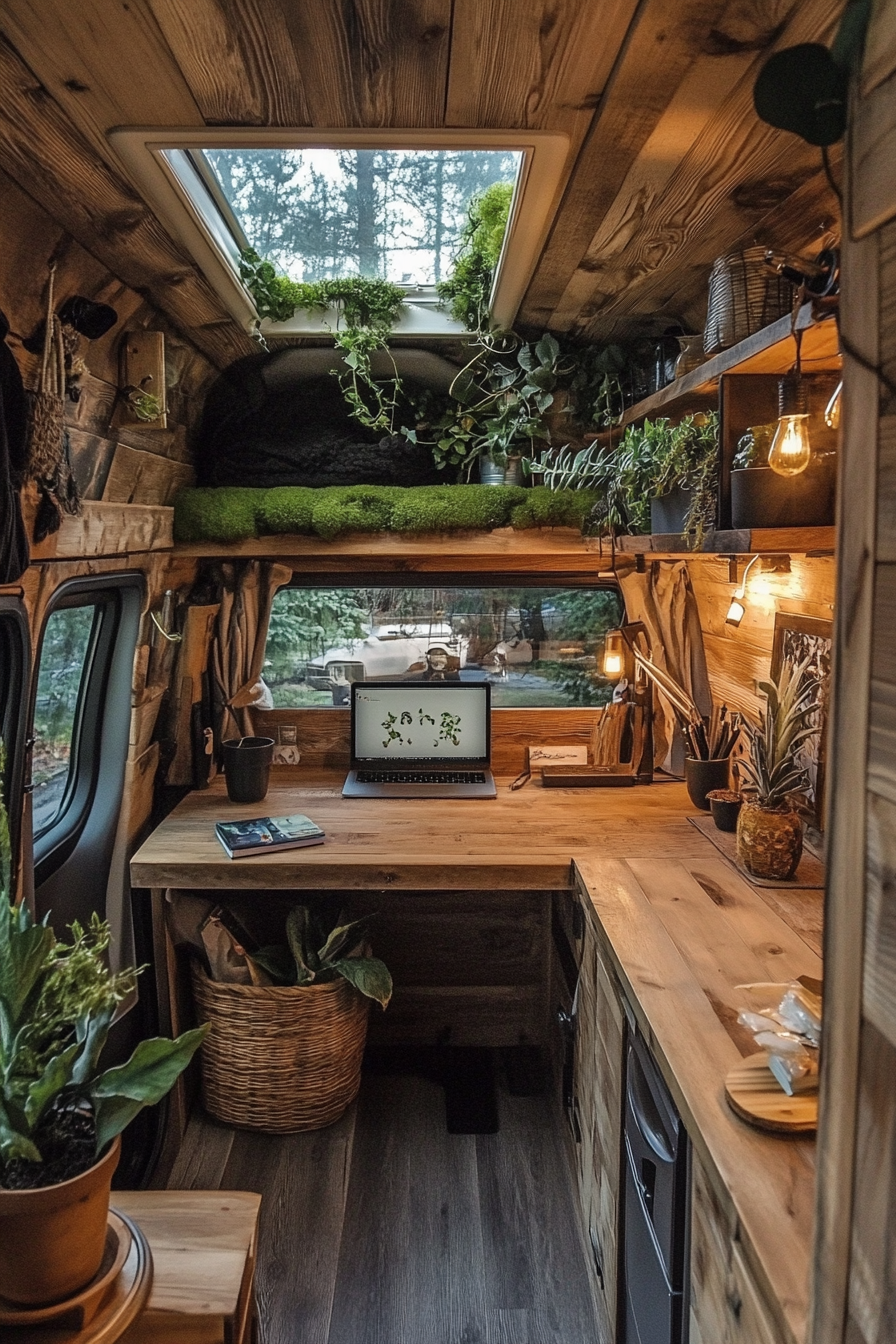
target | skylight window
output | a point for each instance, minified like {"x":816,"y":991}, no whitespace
{"x":326,"y":214}
{"x":324,"y":205}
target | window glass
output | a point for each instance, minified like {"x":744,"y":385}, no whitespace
{"x":326,"y":214}
{"x":537,"y":646}
{"x":64,"y":658}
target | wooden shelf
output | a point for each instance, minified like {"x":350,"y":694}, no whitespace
{"x":768,"y":351}
{"x":765,"y":540}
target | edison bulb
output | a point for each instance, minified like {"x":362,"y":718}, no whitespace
{"x":791,"y":450}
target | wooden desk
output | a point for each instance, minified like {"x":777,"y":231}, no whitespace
{"x":680,"y":925}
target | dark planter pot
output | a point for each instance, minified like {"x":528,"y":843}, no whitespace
{"x":247,"y":766}
{"x":724,"y":810}
{"x":702,"y":777}
{"x":668,"y":513}
{"x":762,"y":498}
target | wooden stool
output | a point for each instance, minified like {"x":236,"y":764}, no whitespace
{"x":203,"y":1248}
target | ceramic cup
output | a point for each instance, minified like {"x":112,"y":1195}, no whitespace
{"x":247,"y":766}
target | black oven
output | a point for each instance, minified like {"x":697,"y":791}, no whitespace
{"x":655,"y":1209}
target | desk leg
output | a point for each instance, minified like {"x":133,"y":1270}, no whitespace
{"x":170,"y":1024}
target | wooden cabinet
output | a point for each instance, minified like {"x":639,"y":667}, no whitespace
{"x":598,"y":1110}
{"x":727,"y":1306}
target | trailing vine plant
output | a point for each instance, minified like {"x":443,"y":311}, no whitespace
{"x":367,"y":310}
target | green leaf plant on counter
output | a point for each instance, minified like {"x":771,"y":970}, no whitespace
{"x":315,"y":954}
{"x":58,"y":1109}
{"x":230,"y":514}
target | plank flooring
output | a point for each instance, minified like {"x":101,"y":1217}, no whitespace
{"x":386,"y":1229}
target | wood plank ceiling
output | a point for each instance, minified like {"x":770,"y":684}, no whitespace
{"x":668,"y":164}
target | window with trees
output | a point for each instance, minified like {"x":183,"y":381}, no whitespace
{"x":537,"y":645}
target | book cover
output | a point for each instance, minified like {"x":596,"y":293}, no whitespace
{"x":261,"y":835}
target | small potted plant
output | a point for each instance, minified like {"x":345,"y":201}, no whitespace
{"x":61,"y":1113}
{"x":285,"y":1051}
{"x":769,"y":830}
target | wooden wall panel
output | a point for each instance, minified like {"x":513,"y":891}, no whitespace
{"x":872,"y":1278}
{"x":880,"y":46}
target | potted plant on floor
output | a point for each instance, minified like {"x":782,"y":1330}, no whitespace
{"x":284,"y":1053}
{"x":61,"y":1114}
{"x":769,"y":830}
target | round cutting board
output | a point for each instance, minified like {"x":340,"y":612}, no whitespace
{"x":753,"y":1093}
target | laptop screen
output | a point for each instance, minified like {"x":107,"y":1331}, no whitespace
{"x":404,"y":721}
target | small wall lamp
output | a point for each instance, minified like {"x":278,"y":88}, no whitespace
{"x":737,"y":609}
{"x":614,"y":657}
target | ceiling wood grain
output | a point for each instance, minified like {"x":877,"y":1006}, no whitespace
{"x":668,"y":164}
{"x":40,"y":150}
{"x":238,"y":59}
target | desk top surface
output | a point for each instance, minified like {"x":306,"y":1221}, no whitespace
{"x":683,"y":928}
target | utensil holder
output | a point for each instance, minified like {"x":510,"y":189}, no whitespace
{"x":247,"y":767}
{"x":703,"y":776}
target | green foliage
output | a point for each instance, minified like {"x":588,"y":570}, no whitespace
{"x":305,"y":623}
{"x":595,"y":389}
{"x":222,"y":513}
{"x":455,"y":508}
{"x":57,"y":1001}
{"x":232,"y":514}
{"x":318,"y":951}
{"x":466,"y":291}
{"x":650,"y":460}
{"x":543,"y":507}
{"x":770,"y":767}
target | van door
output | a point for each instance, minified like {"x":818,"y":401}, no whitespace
{"x":15,"y":675}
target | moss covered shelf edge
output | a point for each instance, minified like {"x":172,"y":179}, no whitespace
{"x":229,"y":515}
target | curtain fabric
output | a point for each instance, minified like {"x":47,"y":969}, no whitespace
{"x":248,"y":588}
{"x":663,"y":599}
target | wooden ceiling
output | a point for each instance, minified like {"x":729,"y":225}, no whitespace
{"x":668,"y":164}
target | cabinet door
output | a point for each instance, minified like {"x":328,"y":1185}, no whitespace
{"x":726,"y":1304}
{"x":598,"y":1097}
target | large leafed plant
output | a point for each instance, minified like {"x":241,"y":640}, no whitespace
{"x":59,"y":1109}
{"x":771,"y":767}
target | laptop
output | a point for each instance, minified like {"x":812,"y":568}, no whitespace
{"x":420,"y":740}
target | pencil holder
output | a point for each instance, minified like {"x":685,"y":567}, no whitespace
{"x":703,"y":776}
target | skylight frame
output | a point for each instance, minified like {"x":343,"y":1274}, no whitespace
{"x":160,"y":160}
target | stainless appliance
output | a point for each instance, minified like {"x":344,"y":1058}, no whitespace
{"x":655,"y":1212}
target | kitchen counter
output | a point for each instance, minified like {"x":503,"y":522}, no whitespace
{"x":681,"y":926}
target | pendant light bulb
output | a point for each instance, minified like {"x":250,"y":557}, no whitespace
{"x":791,"y":450}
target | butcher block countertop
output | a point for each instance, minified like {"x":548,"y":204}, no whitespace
{"x":680,"y":924}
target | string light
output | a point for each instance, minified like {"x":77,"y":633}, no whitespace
{"x":791,"y":450}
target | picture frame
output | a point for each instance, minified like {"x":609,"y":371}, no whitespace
{"x":796,"y":638}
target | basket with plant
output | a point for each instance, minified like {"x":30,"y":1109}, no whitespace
{"x":769,"y":830}
{"x":284,"y":1053}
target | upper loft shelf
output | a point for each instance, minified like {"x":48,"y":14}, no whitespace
{"x":535,"y":551}
{"x":771,"y":350}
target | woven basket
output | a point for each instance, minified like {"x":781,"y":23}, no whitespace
{"x":744,"y":297}
{"x":280,"y":1059}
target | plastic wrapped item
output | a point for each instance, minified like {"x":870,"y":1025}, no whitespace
{"x":785,"y":1020}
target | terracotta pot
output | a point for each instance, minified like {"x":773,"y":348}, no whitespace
{"x":52,"y":1239}
{"x":769,"y":841}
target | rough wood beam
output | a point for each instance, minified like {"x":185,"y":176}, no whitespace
{"x":41,"y":150}
{"x":372,"y":63}
{"x":106,"y":64}
{"x":659,"y":51}
{"x":238,"y":59}
{"x":721,"y":187}
{"x":540,"y":64}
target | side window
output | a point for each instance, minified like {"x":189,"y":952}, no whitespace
{"x":14,"y":668}
{"x":60,"y":701}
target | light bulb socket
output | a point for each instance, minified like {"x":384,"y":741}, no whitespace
{"x":793,"y":396}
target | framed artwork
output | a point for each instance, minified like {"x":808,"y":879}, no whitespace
{"x":797,"y":638}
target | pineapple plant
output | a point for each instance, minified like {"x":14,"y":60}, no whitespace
{"x":769,"y":830}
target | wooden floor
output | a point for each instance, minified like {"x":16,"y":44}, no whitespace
{"x":386,"y":1229}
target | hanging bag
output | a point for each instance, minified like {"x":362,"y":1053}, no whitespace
{"x":49,"y":464}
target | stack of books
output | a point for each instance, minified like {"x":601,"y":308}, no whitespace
{"x":264,"y":835}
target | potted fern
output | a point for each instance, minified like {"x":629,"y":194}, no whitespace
{"x":769,"y":830}
{"x":61,"y":1113}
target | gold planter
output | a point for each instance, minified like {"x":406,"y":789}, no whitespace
{"x":769,"y":841}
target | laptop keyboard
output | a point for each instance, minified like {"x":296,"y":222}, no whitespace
{"x":421,"y":777}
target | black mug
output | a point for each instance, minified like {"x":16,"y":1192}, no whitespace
{"x":247,"y":766}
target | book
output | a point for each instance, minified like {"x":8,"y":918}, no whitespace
{"x":263,"y":835}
